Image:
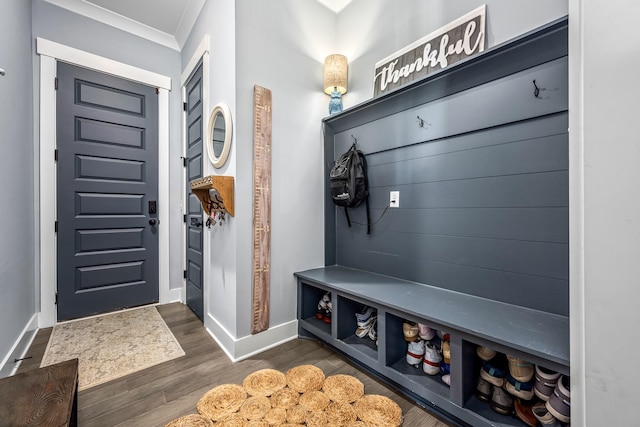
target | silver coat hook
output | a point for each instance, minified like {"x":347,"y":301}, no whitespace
{"x":2,"y":72}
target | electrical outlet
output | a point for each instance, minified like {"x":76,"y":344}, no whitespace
{"x":394,"y":199}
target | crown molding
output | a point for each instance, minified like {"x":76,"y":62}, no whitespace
{"x":123,"y":23}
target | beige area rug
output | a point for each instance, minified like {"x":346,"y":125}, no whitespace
{"x":112,"y":345}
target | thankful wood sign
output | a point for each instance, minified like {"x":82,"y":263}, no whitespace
{"x":445,"y":46}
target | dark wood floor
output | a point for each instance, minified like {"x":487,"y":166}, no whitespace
{"x":157,"y":395}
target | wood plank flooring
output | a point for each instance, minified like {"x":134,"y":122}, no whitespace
{"x":159,"y":394}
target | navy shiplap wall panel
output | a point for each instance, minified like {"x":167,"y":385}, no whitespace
{"x":484,"y":213}
{"x":483,"y":184}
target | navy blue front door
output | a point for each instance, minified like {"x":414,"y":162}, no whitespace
{"x":107,"y":192}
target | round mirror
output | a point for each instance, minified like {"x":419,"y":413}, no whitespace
{"x":219,"y":135}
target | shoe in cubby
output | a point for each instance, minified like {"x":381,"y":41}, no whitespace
{"x":523,"y":390}
{"x":559,"y":404}
{"x":432,"y":359}
{"x":425,"y":332}
{"x":415,"y":353}
{"x":410,"y":331}
{"x":501,"y":401}
{"x":485,"y":353}
{"x":520,"y":369}
{"x":546,"y":381}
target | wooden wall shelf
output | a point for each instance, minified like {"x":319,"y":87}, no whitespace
{"x":223,"y":185}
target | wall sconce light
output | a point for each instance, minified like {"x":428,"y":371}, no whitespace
{"x":335,"y":80}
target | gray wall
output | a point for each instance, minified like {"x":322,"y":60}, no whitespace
{"x":281,"y":46}
{"x":370,"y":30}
{"x":605,"y":212}
{"x":62,"y":26}
{"x":17,"y":219}
{"x":217,"y":20}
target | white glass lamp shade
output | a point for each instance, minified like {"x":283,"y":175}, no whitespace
{"x":335,"y":74}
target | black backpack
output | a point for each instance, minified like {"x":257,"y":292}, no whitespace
{"x":349,"y":183}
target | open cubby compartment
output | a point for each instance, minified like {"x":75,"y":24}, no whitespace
{"x":308,"y":298}
{"x":471,"y":367}
{"x":396,"y":362}
{"x":347,"y":308}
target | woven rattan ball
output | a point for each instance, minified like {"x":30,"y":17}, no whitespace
{"x":317,"y":419}
{"x":233,"y":420}
{"x":297,"y":415}
{"x":341,"y":414}
{"x":264,"y":382}
{"x":193,"y":420}
{"x":304,"y":378}
{"x":314,"y":400}
{"x":276,"y":416}
{"x":221,"y":401}
{"x":343,"y":388}
{"x":255,"y":407}
{"x":285,"y":398}
{"x":378,"y":411}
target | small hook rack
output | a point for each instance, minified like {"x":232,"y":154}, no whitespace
{"x":355,"y":141}
{"x":219,"y":202}
{"x":536,"y":91}
{"x":422,"y":122}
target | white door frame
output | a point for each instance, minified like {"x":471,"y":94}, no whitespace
{"x":51,"y":52}
{"x":201,"y":54}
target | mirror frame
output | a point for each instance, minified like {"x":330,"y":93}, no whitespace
{"x":223,"y":109}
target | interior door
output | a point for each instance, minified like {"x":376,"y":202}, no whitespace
{"x":107,"y":191}
{"x":194,"y":219}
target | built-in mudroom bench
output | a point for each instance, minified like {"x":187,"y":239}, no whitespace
{"x":478,"y":246}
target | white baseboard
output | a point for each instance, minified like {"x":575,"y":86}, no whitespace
{"x":19,"y":348}
{"x":175,"y":295}
{"x":238,"y":349}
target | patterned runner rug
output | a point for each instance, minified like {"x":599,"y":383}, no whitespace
{"x":112,"y":345}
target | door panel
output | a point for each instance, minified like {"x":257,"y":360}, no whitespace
{"x":107,"y":173}
{"x":195,"y":130}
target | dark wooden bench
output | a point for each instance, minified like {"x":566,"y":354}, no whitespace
{"x":42,"y":397}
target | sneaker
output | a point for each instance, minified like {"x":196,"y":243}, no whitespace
{"x":447,"y":379}
{"x":445,"y":368}
{"x":364,"y":328}
{"x":492,"y":373}
{"x":365,"y":315}
{"x":431,"y":361}
{"x":519,"y":389}
{"x":425,"y":332}
{"x":520,"y":369}
{"x":543,"y":416}
{"x":324,"y":306}
{"x":446,"y":352}
{"x":484,"y":390}
{"x":373,"y":333}
{"x":559,"y":404}
{"x":546,"y":381}
{"x":485,"y":353}
{"x":415,"y":353}
{"x":501,"y":402}
{"x":410,"y":331}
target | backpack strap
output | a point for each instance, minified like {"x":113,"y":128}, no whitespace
{"x":346,"y":212}
{"x":363,"y":159}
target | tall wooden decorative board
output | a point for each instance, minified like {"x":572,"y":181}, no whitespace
{"x":261,"y":208}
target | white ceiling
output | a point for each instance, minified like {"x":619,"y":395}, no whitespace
{"x":167,"y":22}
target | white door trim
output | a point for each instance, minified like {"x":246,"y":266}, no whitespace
{"x":201,"y":54}
{"x":51,"y":52}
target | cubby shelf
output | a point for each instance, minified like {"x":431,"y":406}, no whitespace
{"x":348,"y":290}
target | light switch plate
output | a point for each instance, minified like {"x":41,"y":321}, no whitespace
{"x":394,"y":199}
